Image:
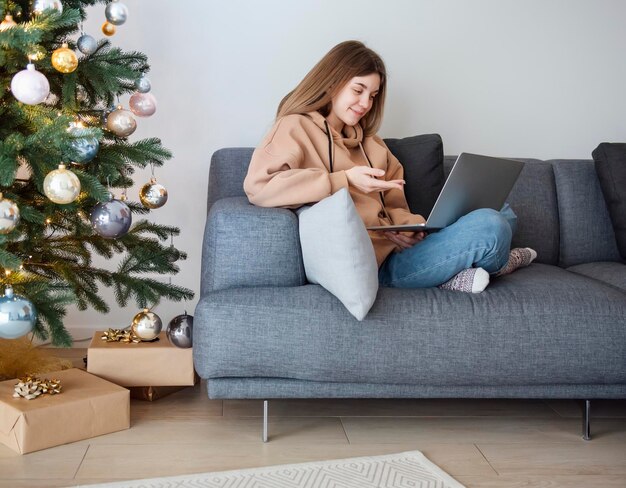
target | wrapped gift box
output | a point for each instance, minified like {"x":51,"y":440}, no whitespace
{"x":87,"y":407}
{"x":157,"y":363}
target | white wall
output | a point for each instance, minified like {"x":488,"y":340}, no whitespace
{"x":533,"y":78}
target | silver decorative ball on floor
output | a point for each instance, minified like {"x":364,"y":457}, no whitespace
{"x":180,"y":331}
{"x":17,"y":315}
{"x":116,"y":12}
{"x":111,"y":219}
{"x":9,"y":215}
{"x":153,"y":195}
{"x":147,"y":325}
{"x":87,"y":44}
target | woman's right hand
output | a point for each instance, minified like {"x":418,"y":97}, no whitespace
{"x":366,"y":180}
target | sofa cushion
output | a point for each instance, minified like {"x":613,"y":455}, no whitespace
{"x":227,"y":172}
{"x":610,"y":161}
{"x":422,"y":159}
{"x":541,"y":325}
{"x":610,"y":273}
{"x":337,"y":252}
{"x":586,"y":231}
{"x":245,"y":245}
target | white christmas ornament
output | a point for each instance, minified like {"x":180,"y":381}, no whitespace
{"x":30,"y":86}
{"x":61,"y":185}
{"x":40,"y":6}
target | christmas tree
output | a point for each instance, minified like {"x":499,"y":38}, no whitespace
{"x":65,"y":165}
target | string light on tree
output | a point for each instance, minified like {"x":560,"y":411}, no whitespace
{"x":30,"y":86}
{"x":9,"y":215}
{"x":64,"y":59}
{"x":61,"y":185}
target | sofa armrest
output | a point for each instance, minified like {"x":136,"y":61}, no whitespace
{"x":245,"y":245}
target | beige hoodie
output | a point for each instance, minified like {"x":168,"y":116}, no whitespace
{"x":291,"y":168}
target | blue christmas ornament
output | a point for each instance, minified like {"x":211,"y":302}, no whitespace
{"x":83,"y":149}
{"x":17,"y":315}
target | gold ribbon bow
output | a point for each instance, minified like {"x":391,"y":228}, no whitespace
{"x":31,"y":387}
{"x":119,"y":335}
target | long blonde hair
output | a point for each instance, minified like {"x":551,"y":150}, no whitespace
{"x":342,"y":63}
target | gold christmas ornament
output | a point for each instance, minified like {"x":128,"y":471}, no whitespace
{"x":121,"y":122}
{"x":108,"y":29}
{"x":153,"y":194}
{"x":147,"y":325}
{"x":64,"y":59}
{"x":7,"y":23}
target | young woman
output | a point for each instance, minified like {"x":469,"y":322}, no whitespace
{"x":324,"y":139}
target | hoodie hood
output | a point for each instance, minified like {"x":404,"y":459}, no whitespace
{"x":351,"y":136}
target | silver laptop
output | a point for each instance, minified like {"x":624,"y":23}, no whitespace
{"x":474,"y":182}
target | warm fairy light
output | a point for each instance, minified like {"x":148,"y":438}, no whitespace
{"x":7,"y":272}
{"x":48,"y":221}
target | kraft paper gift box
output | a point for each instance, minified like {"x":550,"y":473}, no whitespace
{"x":87,"y":407}
{"x":157,"y":363}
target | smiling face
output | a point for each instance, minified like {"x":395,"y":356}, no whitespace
{"x":353,"y":101}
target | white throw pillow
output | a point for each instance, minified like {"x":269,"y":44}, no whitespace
{"x":338,"y":253}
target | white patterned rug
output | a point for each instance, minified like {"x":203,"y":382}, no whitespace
{"x":406,"y":469}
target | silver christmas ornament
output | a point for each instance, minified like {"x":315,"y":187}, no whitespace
{"x":147,"y":325}
{"x":173,"y":254}
{"x":39,"y":6}
{"x":61,"y":185}
{"x":143,"y":84}
{"x":153,"y":195}
{"x":111,"y":219}
{"x":142,"y":104}
{"x":180,"y":331}
{"x":9,"y":215}
{"x":87,"y":44}
{"x":116,"y":13}
{"x":121,"y":122}
{"x":17,"y":315}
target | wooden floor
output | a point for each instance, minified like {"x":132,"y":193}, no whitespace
{"x":481,"y":443}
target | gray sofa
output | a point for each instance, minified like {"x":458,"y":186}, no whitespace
{"x":556,"y":329}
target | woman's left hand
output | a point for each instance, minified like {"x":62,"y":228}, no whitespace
{"x":404,"y":241}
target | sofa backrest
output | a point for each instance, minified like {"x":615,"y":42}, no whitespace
{"x":560,"y":207}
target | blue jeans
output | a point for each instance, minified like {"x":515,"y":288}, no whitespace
{"x":480,"y":239}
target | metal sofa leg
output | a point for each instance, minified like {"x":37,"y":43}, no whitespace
{"x":587,"y":420}
{"x":265,"y":411}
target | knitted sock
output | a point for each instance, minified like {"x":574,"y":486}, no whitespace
{"x":470,"y":280}
{"x":518,"y":258}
